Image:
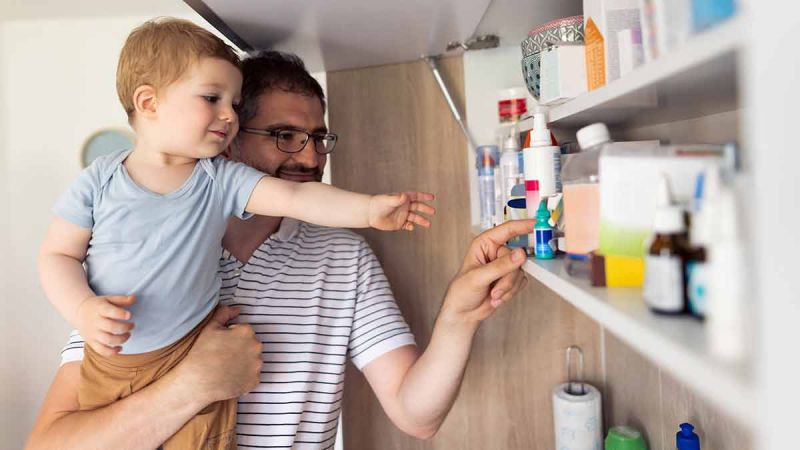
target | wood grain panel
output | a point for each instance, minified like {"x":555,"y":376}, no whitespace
{"x":397,"y":133}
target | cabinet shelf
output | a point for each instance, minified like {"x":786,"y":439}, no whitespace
{"x":678,"y":345}
{"x":696,"y":79}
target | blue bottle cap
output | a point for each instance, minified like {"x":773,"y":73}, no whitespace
{"x":687,"y":439}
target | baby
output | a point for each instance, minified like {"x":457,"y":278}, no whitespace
{"x":149,"y":221}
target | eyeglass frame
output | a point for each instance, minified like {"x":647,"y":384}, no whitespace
{"x":275,"y":131}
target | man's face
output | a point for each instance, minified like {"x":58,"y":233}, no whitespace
{"x":281,"y":109}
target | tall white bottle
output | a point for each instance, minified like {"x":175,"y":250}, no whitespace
{"x":727,"y":283}
{"x":542,"y":165}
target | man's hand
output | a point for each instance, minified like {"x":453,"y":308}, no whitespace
{"x":392,"y":212}
{"x":489,"y":277}
{"x":101,"y":322}
{"x":224,"y":362}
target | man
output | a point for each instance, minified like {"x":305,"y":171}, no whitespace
{"x":306,"y":298}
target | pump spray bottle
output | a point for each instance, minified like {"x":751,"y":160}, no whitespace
{"x":542,"y":166}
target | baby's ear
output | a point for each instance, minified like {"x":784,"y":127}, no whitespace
{"x":145,"y":100}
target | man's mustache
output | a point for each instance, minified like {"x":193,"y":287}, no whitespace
{"x":301,"y":170}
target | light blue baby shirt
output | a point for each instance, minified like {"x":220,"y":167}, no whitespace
{"x":165,"y":248}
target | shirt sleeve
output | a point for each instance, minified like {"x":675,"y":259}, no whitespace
{"x":73,"y":351}
{"x":378,"y":325}
{"x":76,"y":205}
{"x":237,"y":182}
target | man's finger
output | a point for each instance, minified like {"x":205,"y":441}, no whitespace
{"x":486,"y":274}
{"x":505,"y":283}
{"x":511,"y":229}
{"x":224,"y":314}
{"x":519,"y":283}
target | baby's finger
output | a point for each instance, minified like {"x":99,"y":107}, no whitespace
{"x":104,"y":350}
{"x":113,"y":340}
{"x":421,"y":196}
{"x":115,"y":326}
{"x":110,"y":311}
{"x":419,"y":220}
{"x":423,"y":208}
{"x":408,"y":226}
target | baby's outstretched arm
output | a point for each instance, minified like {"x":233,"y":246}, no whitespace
{"x":98,"y":318}
{"x":326,"y":205}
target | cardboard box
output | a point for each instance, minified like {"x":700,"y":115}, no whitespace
{"x":603,"y":19}
{"x":563,"y":69}
{"x":629,"y":185}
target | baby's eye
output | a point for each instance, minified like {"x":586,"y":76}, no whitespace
{"x":211,"y":98}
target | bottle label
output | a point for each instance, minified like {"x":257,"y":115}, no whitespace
{"x":543,"y":250}
{"x":697,"y":280}
{"x":663,"y":283}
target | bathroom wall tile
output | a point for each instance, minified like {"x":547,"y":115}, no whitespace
{"x":633,"y":394}
{"x":716,"y":431}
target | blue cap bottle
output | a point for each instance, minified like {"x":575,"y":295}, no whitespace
{"x":687,"y":439}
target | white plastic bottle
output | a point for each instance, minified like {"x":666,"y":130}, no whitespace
{"x":727,"y":283}
{"x":542,"y":165}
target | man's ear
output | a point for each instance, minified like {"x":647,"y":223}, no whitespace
{"x":145,"y":100}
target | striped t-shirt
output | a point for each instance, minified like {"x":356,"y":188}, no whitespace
{"x":314,"y":296}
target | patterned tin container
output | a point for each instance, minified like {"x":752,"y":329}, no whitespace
{"x":567,"y":29}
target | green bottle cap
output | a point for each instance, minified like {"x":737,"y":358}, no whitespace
{"x":543,"y":215}
{"x":625,"y":438}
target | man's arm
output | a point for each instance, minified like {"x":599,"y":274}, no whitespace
{"x":417,"y":391}
{"x":225,"y":362}
{"x":143,"y":420}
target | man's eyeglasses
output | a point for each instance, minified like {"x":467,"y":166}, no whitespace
{"x":290,"y":140}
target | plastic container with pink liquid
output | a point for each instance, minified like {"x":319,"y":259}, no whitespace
{"x":581,"y":186}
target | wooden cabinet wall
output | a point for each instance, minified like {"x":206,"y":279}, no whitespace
{"x":397,"y":133}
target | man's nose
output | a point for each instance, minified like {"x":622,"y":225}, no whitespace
{"x":307,"y":157}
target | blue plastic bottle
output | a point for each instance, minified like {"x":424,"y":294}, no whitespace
{"x":687,"y":439}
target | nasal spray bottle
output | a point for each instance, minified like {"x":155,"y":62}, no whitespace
{"x":542,"y":166}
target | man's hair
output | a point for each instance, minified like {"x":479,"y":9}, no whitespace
{"x":270,"y":70}
{"x":160,"y":51}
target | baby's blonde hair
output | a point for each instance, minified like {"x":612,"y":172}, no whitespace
{"x":158,"y":52}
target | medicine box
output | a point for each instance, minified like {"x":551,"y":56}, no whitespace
{"x":563,"y":72}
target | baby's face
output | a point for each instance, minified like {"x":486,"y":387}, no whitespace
{"x":196,"y":116}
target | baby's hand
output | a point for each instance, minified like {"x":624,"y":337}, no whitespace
{"x":100,"y":322}
{"x":393,"y":212}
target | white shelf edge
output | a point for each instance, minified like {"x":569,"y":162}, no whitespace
{"x":724,"y":385}
{"x":700,"y":48}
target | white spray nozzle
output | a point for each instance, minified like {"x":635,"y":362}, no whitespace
{"x":540,"y":136}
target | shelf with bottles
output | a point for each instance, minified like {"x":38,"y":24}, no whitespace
{"x":696,"y":79}
{"x":680,"y":345}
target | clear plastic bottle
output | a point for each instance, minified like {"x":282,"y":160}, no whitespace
{"x":580,"y":178}
{"x":486,"y":162}
{"x":510,"y":171}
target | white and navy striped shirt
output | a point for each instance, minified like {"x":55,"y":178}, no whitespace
{"x":314,"y":296}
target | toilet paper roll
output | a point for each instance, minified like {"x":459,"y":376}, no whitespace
{"x":578,"y":419}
